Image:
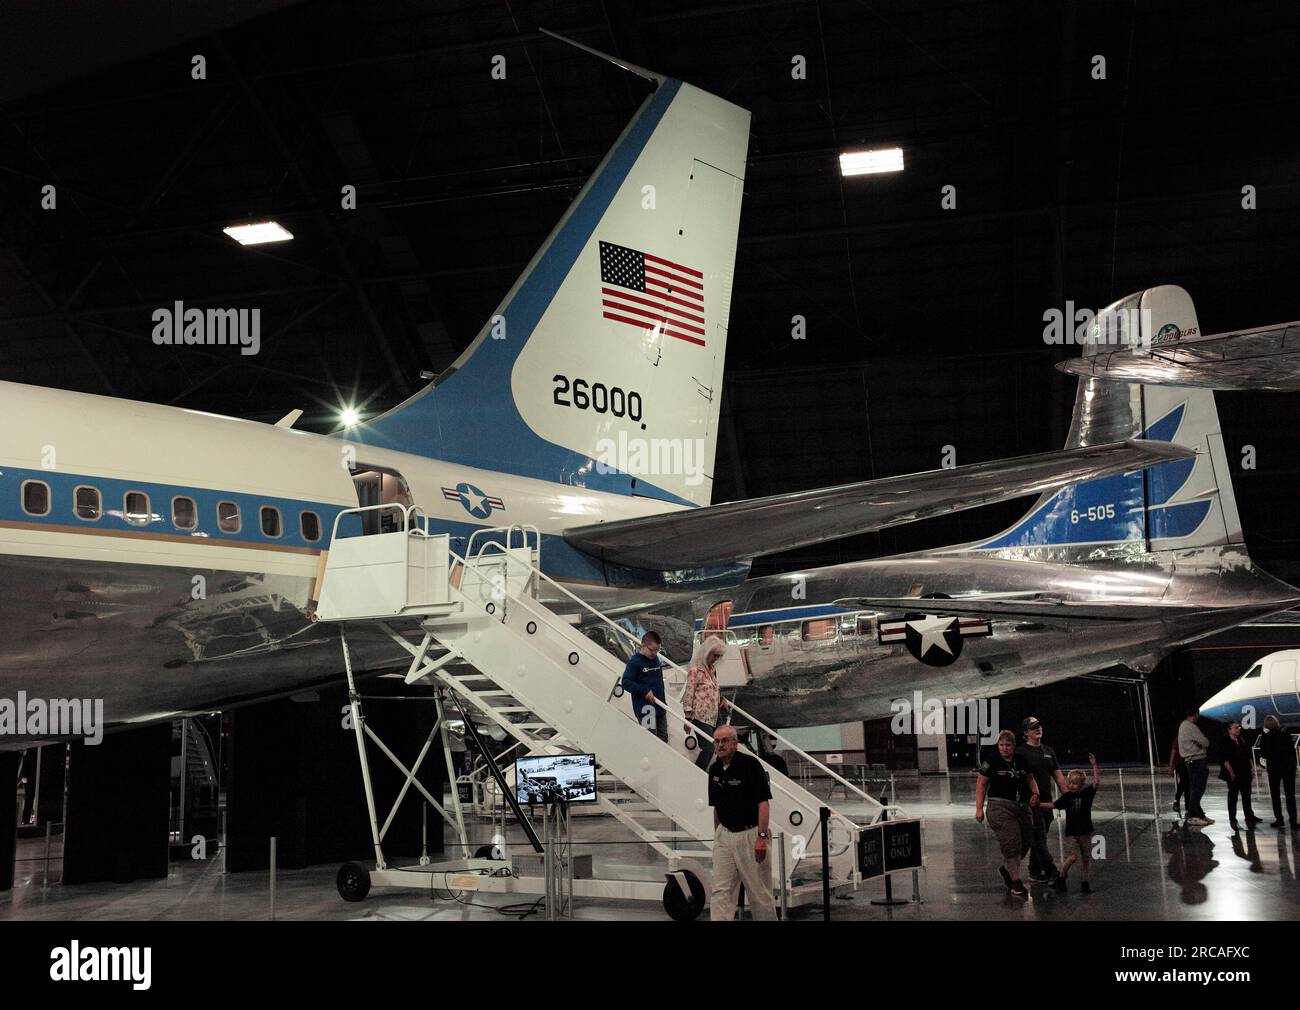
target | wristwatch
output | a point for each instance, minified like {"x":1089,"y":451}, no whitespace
{"x":762,"y":834}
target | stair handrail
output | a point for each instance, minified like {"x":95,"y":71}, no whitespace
{"x":688,"y":726}
{"x":523,"y":528}
{"x":407,"y":512}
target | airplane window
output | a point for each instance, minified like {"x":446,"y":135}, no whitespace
{"x":866,"y":624}
{"x":1255,"y":671}
{"x":88,"y":505}
{"x":36,"y":498}
{"x":136,"y":508}
{"x":310,"y":526}
{"x":185,"y":514}
{"x":819,"y":631}
{"x":228,"y":517}
{"x":271,"y":525}
{"x":766,"y":634}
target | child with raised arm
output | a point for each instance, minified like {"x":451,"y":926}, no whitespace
{"x":1076,"y":801}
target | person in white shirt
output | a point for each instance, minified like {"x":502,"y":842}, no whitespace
{"x":1194,"y":746}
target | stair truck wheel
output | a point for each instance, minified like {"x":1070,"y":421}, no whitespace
{"x":677,"y":905}
{"x":353,"y":882}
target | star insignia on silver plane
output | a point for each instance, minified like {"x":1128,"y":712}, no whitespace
{"x":935,"y":641}
{"x":474,"y":501}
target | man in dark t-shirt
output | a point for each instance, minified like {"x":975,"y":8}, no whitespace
{"x":739,"y":795}
{"x":1046,"y":769}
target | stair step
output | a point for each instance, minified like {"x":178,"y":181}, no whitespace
{"x":666,"y":835}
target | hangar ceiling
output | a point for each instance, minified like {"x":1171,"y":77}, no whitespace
{"x":924,"y":325}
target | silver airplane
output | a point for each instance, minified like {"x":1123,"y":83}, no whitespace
{"x":1119,"y":570}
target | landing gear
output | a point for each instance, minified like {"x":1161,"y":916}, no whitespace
{"x":353,"y":882}
{"x":676,"y":904}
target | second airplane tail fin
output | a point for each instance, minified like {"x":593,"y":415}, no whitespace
{"x":1172,"y":506}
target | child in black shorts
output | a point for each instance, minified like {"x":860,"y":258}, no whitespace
{"x":1077,"y":804}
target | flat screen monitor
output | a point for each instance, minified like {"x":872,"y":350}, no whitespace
{"x":540,"y":778}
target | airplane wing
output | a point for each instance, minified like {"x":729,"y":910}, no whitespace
{"x":1266,"y":358}
{"x":1045,"y":609}
{"x":739,"y":530}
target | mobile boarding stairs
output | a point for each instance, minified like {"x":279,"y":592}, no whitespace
{"x":512,"y":660}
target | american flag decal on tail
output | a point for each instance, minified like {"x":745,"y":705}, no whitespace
{"x":650,"y":292}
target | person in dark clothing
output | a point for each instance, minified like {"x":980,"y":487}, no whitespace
{"x":1278,"y":752}
{"x":740,"y":796}
{"x":1076,"y":802}
{"x":1046,"y":769}
{"x":1004,"y":777}
{"x":1237,"y":770}
{"x":643,"y":680}
{"x":1178,"y":768}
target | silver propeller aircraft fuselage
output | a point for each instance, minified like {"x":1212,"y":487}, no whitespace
{"x":1119,"y":570}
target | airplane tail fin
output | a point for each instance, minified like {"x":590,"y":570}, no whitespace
{"x":1172,"y":506}
{"x":602,"y":366}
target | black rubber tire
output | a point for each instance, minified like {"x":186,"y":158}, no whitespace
{"x":677,"y":907}
{"x":353,"y":882}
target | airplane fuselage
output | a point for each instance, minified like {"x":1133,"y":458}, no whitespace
{"x":812,"y":662}
{"x":163,"y":559}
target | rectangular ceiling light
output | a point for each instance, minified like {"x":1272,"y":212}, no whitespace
{"x":258,"y":233}
{"x":887,"y":159}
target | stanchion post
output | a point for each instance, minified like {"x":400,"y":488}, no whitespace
{"x":825,"y":815}
{"x":273,"y":878}
{"x":780,"y":869}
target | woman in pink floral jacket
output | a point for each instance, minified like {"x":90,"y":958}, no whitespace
{"x":702,"y":699}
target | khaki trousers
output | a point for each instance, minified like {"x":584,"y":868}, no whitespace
{"x":734,"y":864}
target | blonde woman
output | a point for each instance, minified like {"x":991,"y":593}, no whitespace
{"x":702,"y":699}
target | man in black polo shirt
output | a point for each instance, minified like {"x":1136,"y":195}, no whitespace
{"x":739,"y":794}
{"x":1046,"y":769}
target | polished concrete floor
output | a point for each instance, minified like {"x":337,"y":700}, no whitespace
{"x":1151,"y":871}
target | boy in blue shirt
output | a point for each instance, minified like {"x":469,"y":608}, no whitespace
{"x":643,"y":680}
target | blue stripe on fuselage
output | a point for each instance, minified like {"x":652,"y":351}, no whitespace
{"x":1232,"y":711}
{"x":779,"y":616}
{"x":560,"y":560}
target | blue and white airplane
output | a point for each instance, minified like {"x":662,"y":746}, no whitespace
{"x":165,"y":560}
{"x":1269,"y":687}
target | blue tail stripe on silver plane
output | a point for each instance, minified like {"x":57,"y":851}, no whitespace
{"x":471,"y":418}
{"x":1120,"y":504}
